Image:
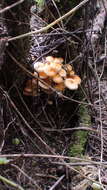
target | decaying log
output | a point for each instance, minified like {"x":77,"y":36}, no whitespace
{"x":95,"y":32}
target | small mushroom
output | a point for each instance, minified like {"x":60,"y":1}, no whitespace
{"x":58,"y":60}
{"x":40,"y":70}
{"x":30,"y":89}
{"x":76,"y":79}
{"x":38,"y":66}
{"x":49,"y":71}
{"x":34,"y":81}
{"x":60,"y":87}
{"x":42,"y":85}
{"x":57,"y":79}
{"x":42,"y":75}
{"x":56,"y":66}
{"x":62,"y":73}
{"x":71,"y":73}
{"x":49,"y":59}
{"x":70,"y":83}
{"x":68,"y":67}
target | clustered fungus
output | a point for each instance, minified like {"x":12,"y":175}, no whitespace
{"x":53,"y":73}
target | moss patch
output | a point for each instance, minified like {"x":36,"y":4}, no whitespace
{"x":77,"y":148}
{"x":80,"y":137}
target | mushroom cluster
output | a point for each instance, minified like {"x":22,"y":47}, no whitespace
{"x":55,"y":74}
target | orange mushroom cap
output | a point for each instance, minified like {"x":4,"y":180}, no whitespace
{"x":70,"y":83}
{"x":68,"y":67}
{"x":39,"y":66}
{"x":58,"y":60}
{"x":42,"y":85}
{"x":42,"y":75}
{"x":56,"y":66}
{"x":57,"y":79}
{"x":71,"y":73}
{"x":76,"y":79}
{"x":49,"y":71}
{"x":60,"y":87}
{"x":49,"y":59}
{"x":63,"y":73}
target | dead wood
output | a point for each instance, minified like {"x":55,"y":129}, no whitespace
{"x":96,"y":29}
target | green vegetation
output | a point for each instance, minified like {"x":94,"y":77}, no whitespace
{"x":80,"y":137}
{"x":4,"y":161}
{"x":40,"y":3}
{"x":84,"y":116}
{"x":16,"y":141}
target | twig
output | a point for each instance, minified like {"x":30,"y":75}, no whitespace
{"x":72,"y":129}
{"x":78,"y":164}
{"x":11,"y":6}
{"x":44,"y":29}
{"x":51,"y":156}
{"x":57,"y":182}
{"x":11,"y":183}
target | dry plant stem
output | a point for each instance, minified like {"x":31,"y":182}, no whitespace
{"x":57,"y":182}
{"x":52,"y":156}
{"x":11,"y":183}
{"x":44,"y":29}
{"x":72,"y":129}
{"x":76,"y":164}
{"x":29,"y":178}
{"x":11,"y":6}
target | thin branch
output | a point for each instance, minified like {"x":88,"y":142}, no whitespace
{"x":11,"y":6}
{"x":51,"y":156}
{"x":72,"y":129}
{"x":57,"y":182}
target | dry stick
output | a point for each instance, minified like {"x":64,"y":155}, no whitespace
{"x":51,"y":156}
{"x":11,"y":6}
{"x":77,"y":164}
{"x":44,"y":29}
{"x":57,"y":182}
{"x":71,"y":129}
{"x":34,"y":76}
{"x":11,"y":183}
